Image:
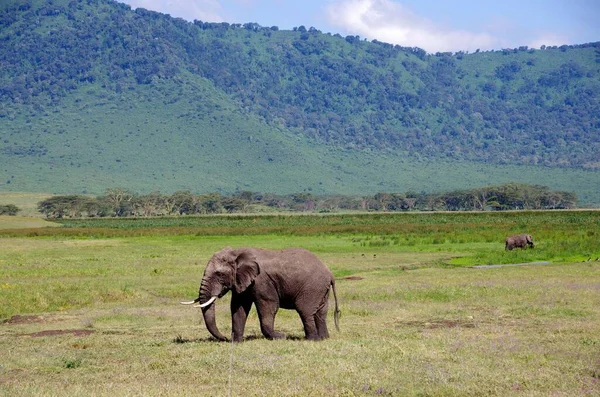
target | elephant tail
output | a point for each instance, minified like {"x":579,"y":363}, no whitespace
{"x":337,"y":313}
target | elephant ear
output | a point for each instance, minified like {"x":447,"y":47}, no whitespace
{"x":246,"y":271}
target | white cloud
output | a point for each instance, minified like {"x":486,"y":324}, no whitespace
{"x":203,"y":10}
{"x":391,"y":22}
{"x":548,"y":39}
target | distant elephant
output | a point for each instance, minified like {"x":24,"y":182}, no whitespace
{"x":292,"y":278}
{"x":518,"y":241}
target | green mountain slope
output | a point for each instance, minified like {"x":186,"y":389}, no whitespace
{"x":95,"y":95}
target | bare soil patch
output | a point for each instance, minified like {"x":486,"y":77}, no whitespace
{"x":352,"y":278}
{"x":24,"y":319}
{"x":437,"y":324}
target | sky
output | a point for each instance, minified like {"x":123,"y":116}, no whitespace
{"x":434,"y":25}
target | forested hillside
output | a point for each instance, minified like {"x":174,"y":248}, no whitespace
{"x":97,"y":77}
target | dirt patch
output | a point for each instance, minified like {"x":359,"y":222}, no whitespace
{"x":437,"y":324}
{"x":352,"y":278}
{"x":29,"y":319}
{"x":56,"y":332}
{"x":8,"y":375}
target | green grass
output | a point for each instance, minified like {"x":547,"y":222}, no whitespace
{"x":100,"y":313}
{"x":468,"y":238}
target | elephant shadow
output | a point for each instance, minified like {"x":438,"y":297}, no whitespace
{"x":181,"y":340}
{"x":287,"y":337}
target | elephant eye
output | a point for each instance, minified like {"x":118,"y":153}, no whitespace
{"x":221,"y":275}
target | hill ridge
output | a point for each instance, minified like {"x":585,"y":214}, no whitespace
{"x":95,"y":87}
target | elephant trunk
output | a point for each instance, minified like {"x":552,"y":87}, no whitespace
{"x":209,"y":291}
{"x":211,"y":322}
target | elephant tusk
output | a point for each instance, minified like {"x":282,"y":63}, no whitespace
{"x":207,"y":303}
{"x":190,"y":302}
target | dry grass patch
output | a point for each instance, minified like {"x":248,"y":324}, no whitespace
{"x":22,"y":222}
{"x":27,"y":202}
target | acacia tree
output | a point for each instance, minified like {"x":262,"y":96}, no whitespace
{"x":61,"y":206}
{"x":484,"y":198}
{"x":9,"y":209}
{"x":234,"y":204}
{"x":182,"y":202}
{"x":210,"y":203}
{"x":148,"y":204}
{"x":120,"y":200}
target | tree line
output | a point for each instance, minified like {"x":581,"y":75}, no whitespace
{"x":118,"y":202}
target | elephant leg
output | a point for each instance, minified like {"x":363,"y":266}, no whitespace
{"x":321,"y":320}
{"x":315,"y":322}
{"x":266,"y":316}
{"x":314,"y":315}
{"x":310,"y":326}
{"x":240,"y":307}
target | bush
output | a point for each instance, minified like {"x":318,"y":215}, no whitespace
{"x":9,"y":209}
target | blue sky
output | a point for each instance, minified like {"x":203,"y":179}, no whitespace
{"x":453,"y":25}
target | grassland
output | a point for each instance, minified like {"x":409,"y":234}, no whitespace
{"x":91,"y":308}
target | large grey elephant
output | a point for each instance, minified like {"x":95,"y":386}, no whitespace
{"x":292,"y":278}
{"x":518,"y":241}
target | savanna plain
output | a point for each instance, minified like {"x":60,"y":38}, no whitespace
{"x":92,"y":307}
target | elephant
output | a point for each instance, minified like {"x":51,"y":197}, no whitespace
{"x":292,"y":278}
{"x":518,"y":241}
